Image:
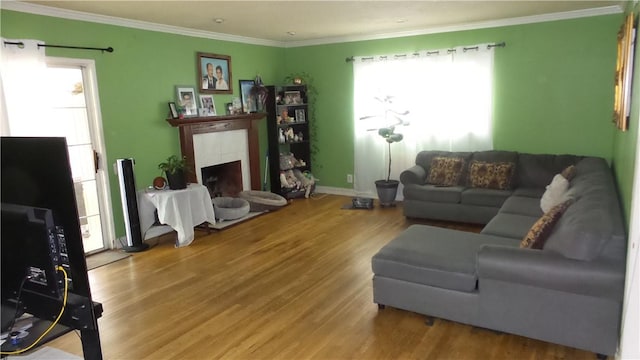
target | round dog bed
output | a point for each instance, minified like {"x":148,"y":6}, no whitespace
{"x":228,"y":208}
{"x":263,"y":200}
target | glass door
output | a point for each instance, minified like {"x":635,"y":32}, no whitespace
{"x":70,"y":118}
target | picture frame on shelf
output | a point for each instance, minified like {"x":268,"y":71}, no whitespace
{"x":207,"y":106}
{"x":248,"y":102}
{"x":292,"y":98}
{"x":187,"y":100}
{"x":229,"y":108}
{"x":173,"y":110}
{"x":300,"y":115}
{"x":214,"y":73}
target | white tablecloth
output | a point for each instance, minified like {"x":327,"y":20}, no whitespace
{"x":180,"y":209}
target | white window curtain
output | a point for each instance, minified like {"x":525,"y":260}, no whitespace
{"x":22,"y":95}
{"x":448,"y":94}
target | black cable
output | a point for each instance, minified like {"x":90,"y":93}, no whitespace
{"x":15,"y":314}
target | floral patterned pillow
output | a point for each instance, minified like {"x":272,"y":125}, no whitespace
{"x":540,"y":231}
{"x":445,"y":171}
{"x":491,"y":175}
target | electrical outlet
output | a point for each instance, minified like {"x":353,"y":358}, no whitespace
{"x":350,"y":178}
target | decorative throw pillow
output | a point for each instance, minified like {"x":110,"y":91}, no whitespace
{"x":555,"y":193}
{"x":540,"y":231}
{"x":491,"y":175}
{"x":569,"y":173}
{"x":445,"y":171}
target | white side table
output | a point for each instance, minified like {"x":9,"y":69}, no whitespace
{"x":181,"y":209}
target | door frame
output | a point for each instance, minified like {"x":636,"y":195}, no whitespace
{"x":94,"y":115}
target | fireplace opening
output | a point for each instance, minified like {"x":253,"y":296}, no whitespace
{"x":223,"y":179}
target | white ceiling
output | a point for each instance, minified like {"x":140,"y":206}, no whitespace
{"x":330,"y":21}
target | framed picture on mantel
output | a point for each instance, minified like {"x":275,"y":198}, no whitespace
{"x":187,"y":100}
{"x":173,"y":110}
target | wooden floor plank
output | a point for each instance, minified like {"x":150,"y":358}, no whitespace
{"x":290,"y":284}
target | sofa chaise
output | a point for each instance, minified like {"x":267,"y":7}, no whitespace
{"x":567,"y":291}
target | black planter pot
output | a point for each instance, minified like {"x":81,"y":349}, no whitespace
{"x":387,"y":191}
{"x":177,"y":180}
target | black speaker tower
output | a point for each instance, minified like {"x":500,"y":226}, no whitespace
{"x":127,"y":181}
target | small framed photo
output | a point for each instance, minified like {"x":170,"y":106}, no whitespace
{"x":292,"y":98}
{"x":214,"y":73}
{"x":248,"y":102}
{"x":300,"y":116}
{"x":229,"y":108}
{"x":187,"y":100}
{"x":207,"y":106}
{"x":173,"y":110}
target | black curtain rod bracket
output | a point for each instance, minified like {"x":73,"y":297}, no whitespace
{"x":21,"y":45}
{"x":501,"y":44}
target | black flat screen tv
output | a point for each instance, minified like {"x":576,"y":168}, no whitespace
{"x":40,"y":225}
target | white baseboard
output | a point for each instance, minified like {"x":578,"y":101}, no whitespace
{"x":335,"y":191}
{"x":350,"y":192}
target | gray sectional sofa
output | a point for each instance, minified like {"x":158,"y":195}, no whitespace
{"x":569,"y":292}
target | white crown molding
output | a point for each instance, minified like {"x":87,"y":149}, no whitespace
{"x":607,"y":10}
{"x":142,"y":25}
{"x":136,"y":24}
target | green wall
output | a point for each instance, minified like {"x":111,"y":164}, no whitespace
{"x":553,"y":87}
{"x":138,"y":79}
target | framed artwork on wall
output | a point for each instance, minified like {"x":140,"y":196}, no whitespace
{"x":624,"y":74}
{"x":214,"y":73}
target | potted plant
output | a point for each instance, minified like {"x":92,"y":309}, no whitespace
{"x":175,"y":169}
{"x":387,"y":189}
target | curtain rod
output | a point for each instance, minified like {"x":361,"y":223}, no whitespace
{"x":502,"y":44}
{"x":21,"y":44}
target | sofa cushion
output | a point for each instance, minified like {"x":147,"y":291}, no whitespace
{"x":537,"y":170}
{"x":555,"y":194}
{"x":522,"y":205}
{"x":484,"y":197}
{"x":593,"y":221}
{"x":445,"y":171}
{"x":433,"y":193}
{"x":491,"y":175}
{"x":540,"y":231}
{"x":434,"y":256}
{"x":529,"y":192}
{"x":511,"y":226}
{"x":493,"y":156}
{"x":424,"y":158}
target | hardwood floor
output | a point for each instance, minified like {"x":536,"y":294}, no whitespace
{"x":291,"y":284}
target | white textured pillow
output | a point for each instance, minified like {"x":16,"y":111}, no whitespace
{"x":555,"y":193}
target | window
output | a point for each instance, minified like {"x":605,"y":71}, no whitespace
{"x":448,"y":94}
